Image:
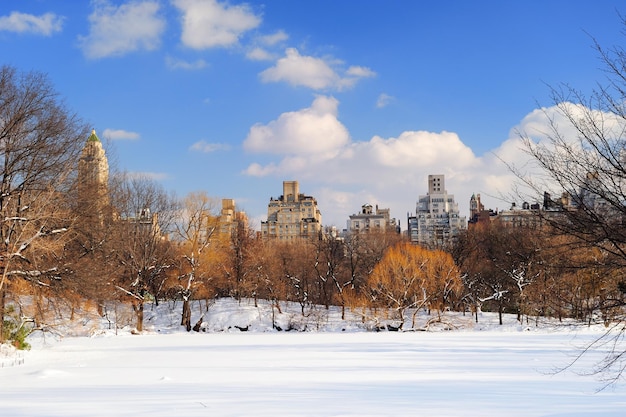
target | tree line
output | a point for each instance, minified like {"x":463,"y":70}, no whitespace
{"x":144,"y":244}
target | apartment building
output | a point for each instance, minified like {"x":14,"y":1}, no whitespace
{"x":437,"y":220}
{"x":370,"y":220}
{"x":232,"y":220}
{"x":291,"y":216}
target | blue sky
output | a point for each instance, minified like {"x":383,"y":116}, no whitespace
{"x":357,"y":100}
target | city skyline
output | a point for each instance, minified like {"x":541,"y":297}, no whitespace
{"x":357,"y":104}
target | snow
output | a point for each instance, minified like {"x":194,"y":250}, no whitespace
{"x":335,"y":368}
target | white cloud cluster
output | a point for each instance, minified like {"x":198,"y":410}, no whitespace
{"x":259,"y":51}
{"x":311,"y":131}
{"x":390,"y":171}
{"x":45,"y":25}
{"x":146,"y":175}
{"x":206,"y":147}
{"x":118,"y":134}
{"x":209,"y":24}
{"x":259,"y":54}
{"x":383,"y":100}
{"x":176,"y":64}
{"x":274,"y":38}
{"x":137,"y":25}
{"x":312,"y":72}
{"x":117,"y":30}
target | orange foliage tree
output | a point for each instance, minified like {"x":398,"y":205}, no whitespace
{"x":412,"y":277}
{"x":200,"y":245}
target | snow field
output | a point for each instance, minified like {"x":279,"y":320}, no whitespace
{"x":501,"y":371}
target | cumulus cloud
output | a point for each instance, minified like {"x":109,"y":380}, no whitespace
{"x":175,"y":64}
{"x":360,"y":72}
{"x":274,"y":38}
{"x":259,"y":54}
{"x":157,"y":176}
{"x":343,"y":174}
{"x":206,"y":147}
{"x":45,"y":24}
{"x":311,"y":72}
{"x":118,"y":134}
{"x":209,"y":24}
{"x":313,"y":136}
{"x":261,"y":48}
{"x":393,"y":171}
{"x":312,"y":131}
{"x":118,"y":30}
{"x":418,"y":148}
{"x":383,"y":100}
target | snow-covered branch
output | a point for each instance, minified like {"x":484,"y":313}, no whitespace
{"x":137,"y":296}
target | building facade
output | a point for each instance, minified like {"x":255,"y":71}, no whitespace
{"x":93,"y":178}
{"x":476,"y":207}
{"x":368,"y":220}
{"x":437,"y":220}
{"x":292,"y":216}
{"x":231,"y":220}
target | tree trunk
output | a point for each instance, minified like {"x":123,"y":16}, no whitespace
{"x":139,"y":315}
{"x":2,"y":300}
{"x":186,"y":318}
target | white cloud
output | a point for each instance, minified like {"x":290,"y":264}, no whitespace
{"x":209,"y":24}
{"x":45,"y":24}
{"x":417,"y":148}
{"x":259,"y":54}
{"x":117,"y":134}
{"x":206,"y":147}
{"x":118,"y":30}
{"x":175,"y":63}
{"x":274,"y":38}
{"x":258,"y":170}
{"x":393,"y":171}
{"x":258,"y":51}
{"x":360,"y":72}
{"x":383,"y":100}
{"x":311,"y":131}
{"x":311,"y":72}
{"x":157,"y":176}
{"x":343,"y":174}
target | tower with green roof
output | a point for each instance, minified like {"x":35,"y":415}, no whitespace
{"x":93,"y":175}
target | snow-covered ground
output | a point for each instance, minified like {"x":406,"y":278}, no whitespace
{"x":335,"y":368}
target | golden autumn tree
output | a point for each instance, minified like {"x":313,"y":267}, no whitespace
{"x":412,"y":277}
{"x":201,"y":243}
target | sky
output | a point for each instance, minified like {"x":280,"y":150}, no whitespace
{"x":358,"y":101}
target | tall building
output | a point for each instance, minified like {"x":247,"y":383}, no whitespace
{"x":476,"y":207}
{"x":93,"y":177}
{"x":368,"y":220}
{"x":230,"y":218}
{"x":437,"y":220}
{"x":293,"y":215}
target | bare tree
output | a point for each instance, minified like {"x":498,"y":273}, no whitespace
{"x":296,"y":260}
{"x":482,"y":255}
{"x":584,"y":157}
{"x":39,"y":143}
{"x":143,"y":216}
{"x":266,"y":278}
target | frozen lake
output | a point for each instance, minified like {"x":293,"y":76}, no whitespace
{"x":460,"y":373}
